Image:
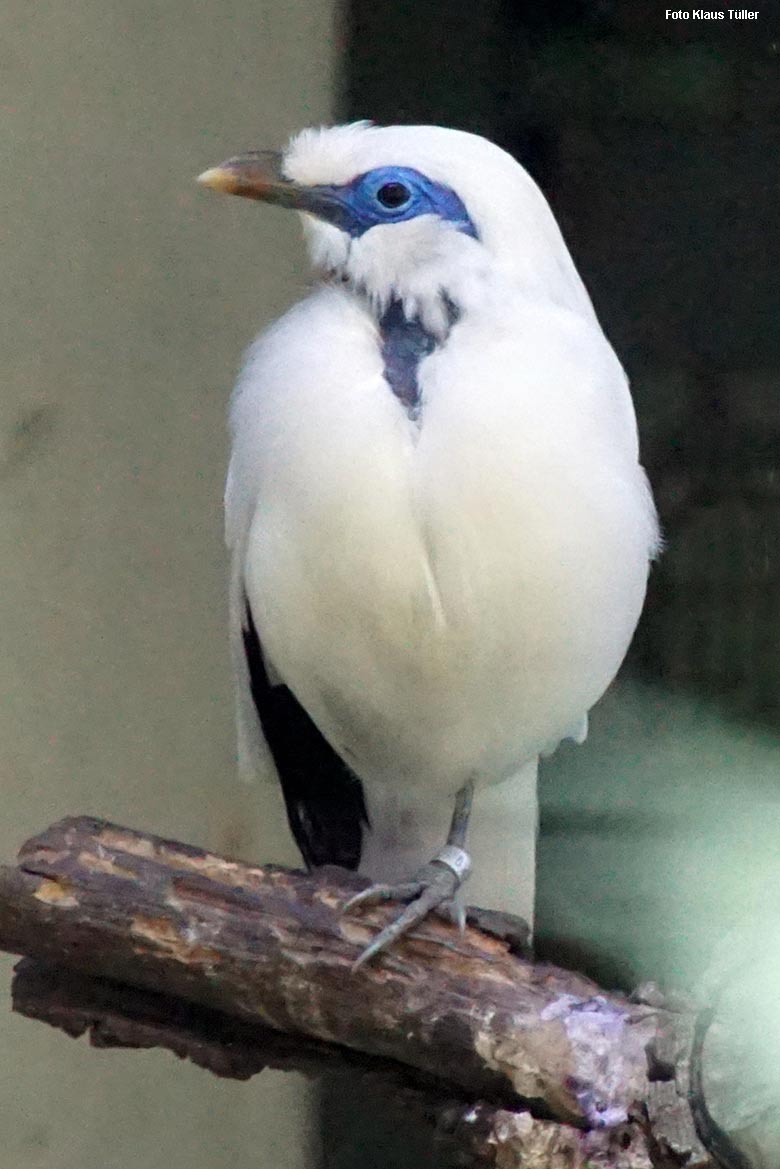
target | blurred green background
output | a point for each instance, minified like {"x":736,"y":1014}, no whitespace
{"x":127,"y":299}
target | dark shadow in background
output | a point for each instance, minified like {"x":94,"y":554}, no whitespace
{"x":656,"y":143}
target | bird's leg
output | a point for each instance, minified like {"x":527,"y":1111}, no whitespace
{"x":431,"y":886}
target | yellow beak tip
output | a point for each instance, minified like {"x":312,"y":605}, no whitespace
{"x":217,"y":178}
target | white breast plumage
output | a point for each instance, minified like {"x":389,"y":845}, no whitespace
{"x":450,"y":597}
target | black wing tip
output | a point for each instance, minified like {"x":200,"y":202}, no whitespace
{"x":324,"y":798}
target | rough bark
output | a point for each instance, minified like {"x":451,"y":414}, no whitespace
{"x":475,"y":1135}
{"x":566,"y":1074}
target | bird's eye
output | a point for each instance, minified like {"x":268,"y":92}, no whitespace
{"x":393,"y":195}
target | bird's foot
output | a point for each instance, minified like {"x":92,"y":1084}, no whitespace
{"x":434,"y":887}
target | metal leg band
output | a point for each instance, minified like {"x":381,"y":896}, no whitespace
{"x":457,"y":860}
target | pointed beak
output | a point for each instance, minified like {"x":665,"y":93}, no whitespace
{"x":258,"y":175}
{"x":255,"y":175}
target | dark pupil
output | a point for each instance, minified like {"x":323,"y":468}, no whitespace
{"x":393,"y":195}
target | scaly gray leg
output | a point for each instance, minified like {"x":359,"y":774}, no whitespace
{"x":432,"y":885}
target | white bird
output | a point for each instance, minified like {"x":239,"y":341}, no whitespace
{"x":439,"y":527}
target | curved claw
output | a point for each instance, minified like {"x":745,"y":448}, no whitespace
{"x":454,"y":911}
{"x":440,"y":884}
{"x":376,"y":894}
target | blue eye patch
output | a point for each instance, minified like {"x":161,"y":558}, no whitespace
{"x":389,"y":194}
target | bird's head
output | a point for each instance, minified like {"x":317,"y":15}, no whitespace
{"x":413,"y":213}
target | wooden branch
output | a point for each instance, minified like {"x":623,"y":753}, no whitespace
{"x":565,"y":1070}
{"x":478,"y":1135}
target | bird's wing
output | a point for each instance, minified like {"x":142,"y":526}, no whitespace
{"x":324,"y":799}
{"x":276,"y":737}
